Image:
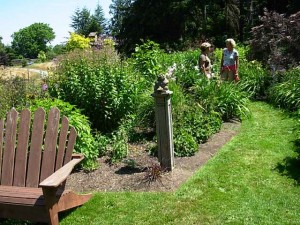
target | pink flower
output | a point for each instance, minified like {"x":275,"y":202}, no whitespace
{"x":44,"y":87}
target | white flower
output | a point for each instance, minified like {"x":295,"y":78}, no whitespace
{"x":170,"y":71}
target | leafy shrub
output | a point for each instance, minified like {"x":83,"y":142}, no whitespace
{"x":147,"y":60}
{"x":77,"y":41}
{"x":276,"y":41}
{"x":85,"y":142}
{"x":224,"y":98}
{"x":255,"y":80}
{"x":42,"y":56}
{"x":286,"y":94}
{"x":100,"y":84}
{"x":298,"y":129}
{"x":192,"y":126}
{"x":184,"y":143}
{"x":119,"y":145}
{"x":186,"y":72}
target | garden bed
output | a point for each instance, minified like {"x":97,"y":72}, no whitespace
{"x":122,"y":177}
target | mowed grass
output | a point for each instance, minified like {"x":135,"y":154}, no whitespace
{"x":252,"y":180}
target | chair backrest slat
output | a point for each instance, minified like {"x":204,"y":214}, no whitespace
{"x":49,"y":154}
{"x":22,"y":148}
{"x":1,"y":144}
{"x":71,"y":144}
{"x":62,"y":142}
{"x":34,"y":160}
{"x":9,"y":148}
{"x":28,"y":153}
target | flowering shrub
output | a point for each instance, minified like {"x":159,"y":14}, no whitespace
{"x":77,"y":41}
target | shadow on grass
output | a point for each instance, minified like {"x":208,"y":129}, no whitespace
{"x":62,"y":215}
{"x":290,"y":166}
{"x":66,"y":213}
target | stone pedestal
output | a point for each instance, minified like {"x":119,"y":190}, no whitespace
{"x":164,"y":128}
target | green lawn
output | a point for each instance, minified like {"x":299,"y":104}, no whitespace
{"x":254,"y":179}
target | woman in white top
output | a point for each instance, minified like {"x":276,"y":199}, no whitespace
{"x":204,"y":63}
{"x":229,"y":61}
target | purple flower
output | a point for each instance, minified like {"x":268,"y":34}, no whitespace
{"x":44,"y":87}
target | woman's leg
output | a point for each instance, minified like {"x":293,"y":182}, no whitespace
{"x":230,"y":75}
{"x":224,"y":75}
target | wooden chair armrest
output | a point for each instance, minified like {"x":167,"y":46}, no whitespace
{"x":62,"y":174}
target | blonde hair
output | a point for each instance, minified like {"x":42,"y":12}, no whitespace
{"x":231,"y":41}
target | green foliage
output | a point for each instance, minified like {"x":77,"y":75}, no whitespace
{"x":147,"y":60}
{"x":30,"y":40}
{"x":42,"y":56}
{"x":223,"y":98}
{"x":145,"y":114}
{"x":191,"y":127}
{"x":286,"y":94}
{"x":119,"y":145}
{"x":118,"y":9}
{"x":184,"y":143}
{"x":191,"y":124}
{"x":297,"y":141}
{"x":179,"y":25}
{"x":4,"y":55}
{"x":255,"y":80}
{"x":24,"y":62}
{"x":77,"y":41}
{"x":99,"y":83}
{"x":186,"y":72}
{"x":85,"y":142}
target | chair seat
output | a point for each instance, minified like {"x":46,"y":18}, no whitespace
{"x":24,"y":195}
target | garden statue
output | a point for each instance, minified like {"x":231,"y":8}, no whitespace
{"x":161,"y":84}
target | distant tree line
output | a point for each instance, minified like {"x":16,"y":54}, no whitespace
{"x":174,"y":24}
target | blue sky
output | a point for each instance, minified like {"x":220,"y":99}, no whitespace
{"x":18,"y":14}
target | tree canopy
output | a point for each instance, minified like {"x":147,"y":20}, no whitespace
{"x":30,"y":40}
{"x":3,"y":54}
{"x":180,"y":23}
{"x":83,"y":22}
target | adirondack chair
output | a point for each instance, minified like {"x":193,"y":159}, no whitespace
{"x":33,"y":174}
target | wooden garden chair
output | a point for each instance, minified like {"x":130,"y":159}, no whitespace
{"x":33,"y":173}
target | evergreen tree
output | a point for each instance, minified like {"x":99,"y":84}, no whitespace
{"x":99,"y":19}
{"x":83,"y":22}
{"x":119,"y":10}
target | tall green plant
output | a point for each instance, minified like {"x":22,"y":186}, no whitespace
{"x":223,"y":98}
{"x":97,"y":82}
{"x":255,"y":79}
{"x":147,"y":60}
{"x":286,"y":94}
